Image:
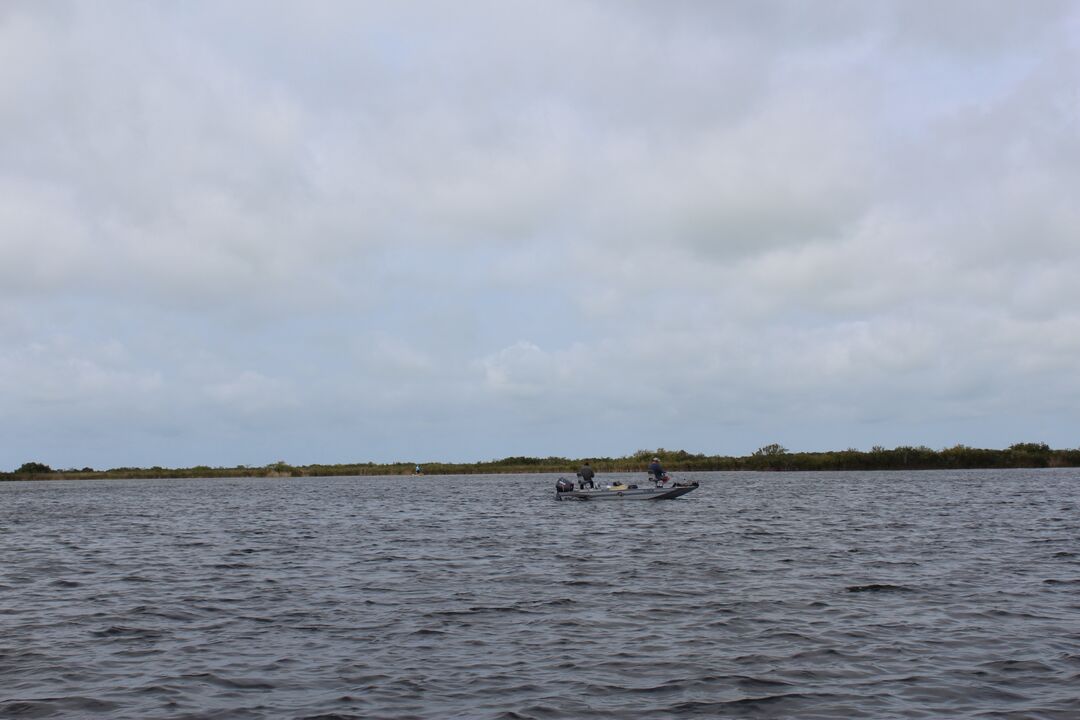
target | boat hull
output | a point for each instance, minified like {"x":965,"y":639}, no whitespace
{"x":647,"y":493}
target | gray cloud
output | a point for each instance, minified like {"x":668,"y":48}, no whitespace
{"x":246,"y":231}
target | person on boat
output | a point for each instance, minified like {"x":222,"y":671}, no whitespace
{"x":657,"y":470}
{"x":586,"y":474}
{"x":418,"y":471}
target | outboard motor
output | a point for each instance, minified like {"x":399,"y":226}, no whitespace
{"x":563,"y":485}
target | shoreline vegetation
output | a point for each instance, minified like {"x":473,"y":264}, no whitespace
{"x":773,"y":457}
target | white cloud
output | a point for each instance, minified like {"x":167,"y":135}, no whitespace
{"x":250,"y":393}
{"x":461,"y":225}
{"x":58,"y":376}
{"x":522,"y":369}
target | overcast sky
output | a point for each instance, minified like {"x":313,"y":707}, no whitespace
{"x":242,"y":232}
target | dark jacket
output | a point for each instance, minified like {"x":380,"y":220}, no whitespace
{"x":656,"y":469}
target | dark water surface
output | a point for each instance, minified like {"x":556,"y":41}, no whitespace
{"x":825,"y":595}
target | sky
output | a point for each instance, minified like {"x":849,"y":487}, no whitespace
{"x":236,"y":233}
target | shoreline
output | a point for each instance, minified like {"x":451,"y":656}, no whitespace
{"x":772,"y":458}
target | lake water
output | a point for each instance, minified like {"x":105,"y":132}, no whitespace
{"x":821,"y":595}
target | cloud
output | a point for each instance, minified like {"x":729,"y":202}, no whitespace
{"x":251,"y":393}
{"x":58,"y":376}
{"x":453,"y":228}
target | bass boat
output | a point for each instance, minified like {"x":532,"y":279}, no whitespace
{"x":564,"y":490}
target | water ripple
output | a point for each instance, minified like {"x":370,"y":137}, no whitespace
{"x":823,"y":595}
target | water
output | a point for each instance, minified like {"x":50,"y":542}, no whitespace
{"x":831,"y":595}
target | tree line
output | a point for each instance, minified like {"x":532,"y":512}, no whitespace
{"x":773,"y":457}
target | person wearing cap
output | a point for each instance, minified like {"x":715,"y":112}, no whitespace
{"x":586,"y":474}
{"x":657,"y":470}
